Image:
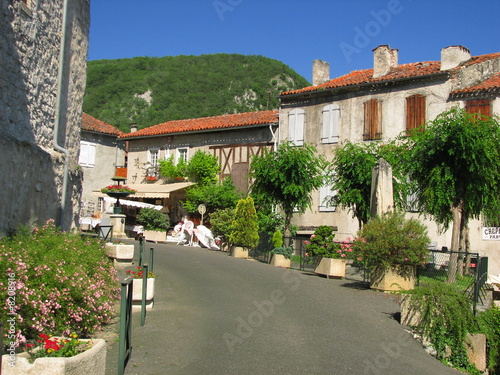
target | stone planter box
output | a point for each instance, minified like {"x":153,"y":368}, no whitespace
{"x":279,"y":260}
{"x":239,"y":252}
{"x":122,"y":254}
{"x":155,"y":236}
{"x":394,"y":278}
{"x":91,"y":361}
{"x":331,"y":267}
{"x":137,"y":293}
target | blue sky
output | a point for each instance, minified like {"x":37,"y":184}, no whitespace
{"x":295,"y":32}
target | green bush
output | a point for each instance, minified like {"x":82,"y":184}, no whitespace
{"x":58,"y":283}
{"x":244,"y":230}
{"x":489,"y":321}
{"x":391,"y":240}
{"x":322,"y":244}
{"x":153,"y":219}
{"x":203,"y":168}
{"x":286,"y":251}
{"x":220,"y":221}
{"x":277,"y":239}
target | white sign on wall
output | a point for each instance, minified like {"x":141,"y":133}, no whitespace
{"x":491,"y":233}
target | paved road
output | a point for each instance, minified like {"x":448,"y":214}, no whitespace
{"x":217,"y":315}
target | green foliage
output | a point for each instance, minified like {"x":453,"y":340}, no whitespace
{"x":455,"y":164}
{"x":321,"y":243}
{"x":63,"y":283}
{"x":277,"y":239}
{"x":244,"y":230}
{"x":203,"y":168}
{"x":445,"y":319}
{"x":220,"y":221}
{"x":288,"y":177}
{"x":391,"y":240}
{"x":351,"y":176}
{"x":153,"y":219}
{"x":183,"y":87}
{"x":213,"y":196}
{"x":269,"y":221}
{"x":286,"y":251}
{"x":169,"y":169}
{"x":489,"y":321}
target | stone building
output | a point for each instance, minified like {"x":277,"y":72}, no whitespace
{"x":233,"y":138}
{"x":43,"y":50}
{"x":102,"y":156}
{"x":380,"y":103}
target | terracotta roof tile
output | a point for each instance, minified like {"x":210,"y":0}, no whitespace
{"x":411,"y":70}
{"x":488,"y":85}
{"x":92,"y":124}
{"x":208,"y":123}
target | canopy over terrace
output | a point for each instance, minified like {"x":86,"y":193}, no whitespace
{"x":158,"y":190}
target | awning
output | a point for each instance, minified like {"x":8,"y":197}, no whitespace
{"x":133,"y":203}
{"x":157,"y":190}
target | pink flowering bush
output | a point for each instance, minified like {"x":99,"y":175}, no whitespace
{"x":63,"y":283}
{"x":322,"y":245}
{"x":391,"y":240}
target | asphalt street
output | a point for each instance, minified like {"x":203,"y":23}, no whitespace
{"x":216,"y":315}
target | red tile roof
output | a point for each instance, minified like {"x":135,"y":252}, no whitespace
{"x":411,"y":70}
{"x":208,"y":123}
{"x":491,"y":84}
{"x":92,"y":124}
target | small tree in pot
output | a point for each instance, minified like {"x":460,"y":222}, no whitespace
{"x":390,"y":243}
{"x":244,"y":229}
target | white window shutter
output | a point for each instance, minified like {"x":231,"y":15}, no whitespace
{"x":330,"y":129}
{"x":292,"y":118}
{"x":325,"y":194}
{"x":325,"y":133}
{"x":91,"y":155}
{"x":299,"y":128}
{"x":82,"y":160}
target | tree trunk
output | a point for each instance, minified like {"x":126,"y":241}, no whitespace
{"x":455,"y":244}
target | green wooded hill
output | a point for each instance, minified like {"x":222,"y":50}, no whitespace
{"x":152,"y":90}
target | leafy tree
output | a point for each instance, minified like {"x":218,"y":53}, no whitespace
{"x":153,"y":219}
{"x":244,"y":229}
{"x":213,"y":196}
{"x":287,"y":177}
{"x":220,"y":221}
{"x":351,"y":176}
{"x":455,"y":164}
{"x":203,"y":168}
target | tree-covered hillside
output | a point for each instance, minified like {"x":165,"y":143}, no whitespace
{"x":152,"y":90}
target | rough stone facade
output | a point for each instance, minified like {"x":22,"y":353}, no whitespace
{"x":31,"y":171}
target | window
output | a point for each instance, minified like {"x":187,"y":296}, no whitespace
{"x":330,"y":131}
{"x":182,"y":154}
{"x":373,"y":120}
{"x":153,"y":156}
{"x":481,"y":107}
{"x":415,"y":112}
{"x":296,"y":126}
{"x":87,"y":154}
{"x":325,"y":194}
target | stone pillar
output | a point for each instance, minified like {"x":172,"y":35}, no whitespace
{"x":382,"y":197}
{"x":118,"y":223}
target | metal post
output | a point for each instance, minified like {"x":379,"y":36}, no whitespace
{"x":144,"y":291}
{"x":125,"y":346}
{"x":141,"y":250}
{"x":151,"y":258}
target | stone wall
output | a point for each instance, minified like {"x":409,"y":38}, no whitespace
{"x":31,"y":171}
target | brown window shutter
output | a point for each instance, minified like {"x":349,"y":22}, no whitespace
{"x":366,"y":131}
{"x":373,"y":120}
{"x":481,"y":107}
{"x":415,"y":112}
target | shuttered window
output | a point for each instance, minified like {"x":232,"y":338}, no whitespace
{"x":481,"y":107}
{"x":296,"y":119}
{"x":373,"y":120}
{"x":330,"y":130}
{"x":87,"y":154}
{"x":415,"y":112}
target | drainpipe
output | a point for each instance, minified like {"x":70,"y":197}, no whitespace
{"x":57,"y":123}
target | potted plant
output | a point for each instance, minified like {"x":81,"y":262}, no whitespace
{"x":392,"y":246}
{"x":244,"y":229}
{"x":280,"y":255}
{"x":332,"y":257}
{"x":137,"y":277}
{"x":155,"y":224}
{"x":58,"y":356}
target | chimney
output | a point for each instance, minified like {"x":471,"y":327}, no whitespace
{"x":453,"y":56}
{"x":133,"y":127}
{"x":321,"y":72}
{"x":384,"y":58}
